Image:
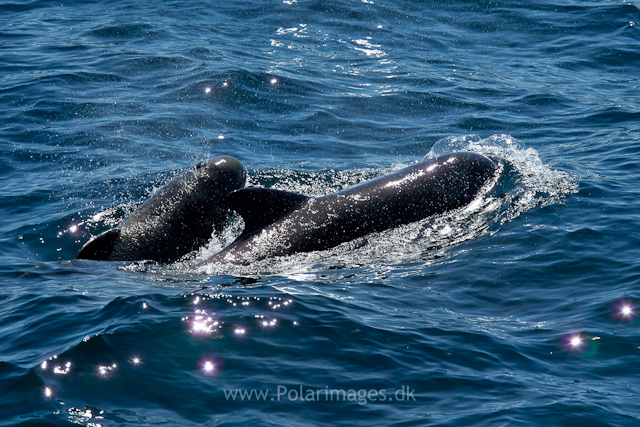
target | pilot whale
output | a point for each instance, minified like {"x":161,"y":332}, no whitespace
{"x":279,"y":223}
{"x":181,"y":217}
{"x":178,"y":219}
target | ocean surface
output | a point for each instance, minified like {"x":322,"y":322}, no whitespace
{"x":518,"y":310}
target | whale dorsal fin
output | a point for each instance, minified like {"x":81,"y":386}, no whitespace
{"x":100,"y":247}
{"x":260,"y":207}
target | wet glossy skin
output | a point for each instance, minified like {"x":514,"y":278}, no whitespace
{"x":176,"y":220}
{"x":411,"y":194}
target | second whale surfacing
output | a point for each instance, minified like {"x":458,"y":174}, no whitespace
{"x":279,"y":223}
{"x":177,"y":220}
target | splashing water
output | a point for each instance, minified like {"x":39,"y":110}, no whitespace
{"x":528,"y":181}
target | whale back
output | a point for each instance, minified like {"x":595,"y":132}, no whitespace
{"x":178,"y":219}
{"x":298,"y":224}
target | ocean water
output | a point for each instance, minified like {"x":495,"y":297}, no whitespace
{"x":520,"y":309}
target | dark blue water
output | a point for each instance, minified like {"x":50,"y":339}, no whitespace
{"x":517,"y":310}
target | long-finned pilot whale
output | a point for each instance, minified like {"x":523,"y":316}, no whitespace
{"x":177,"y":220}
{"x":280,"y":223}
